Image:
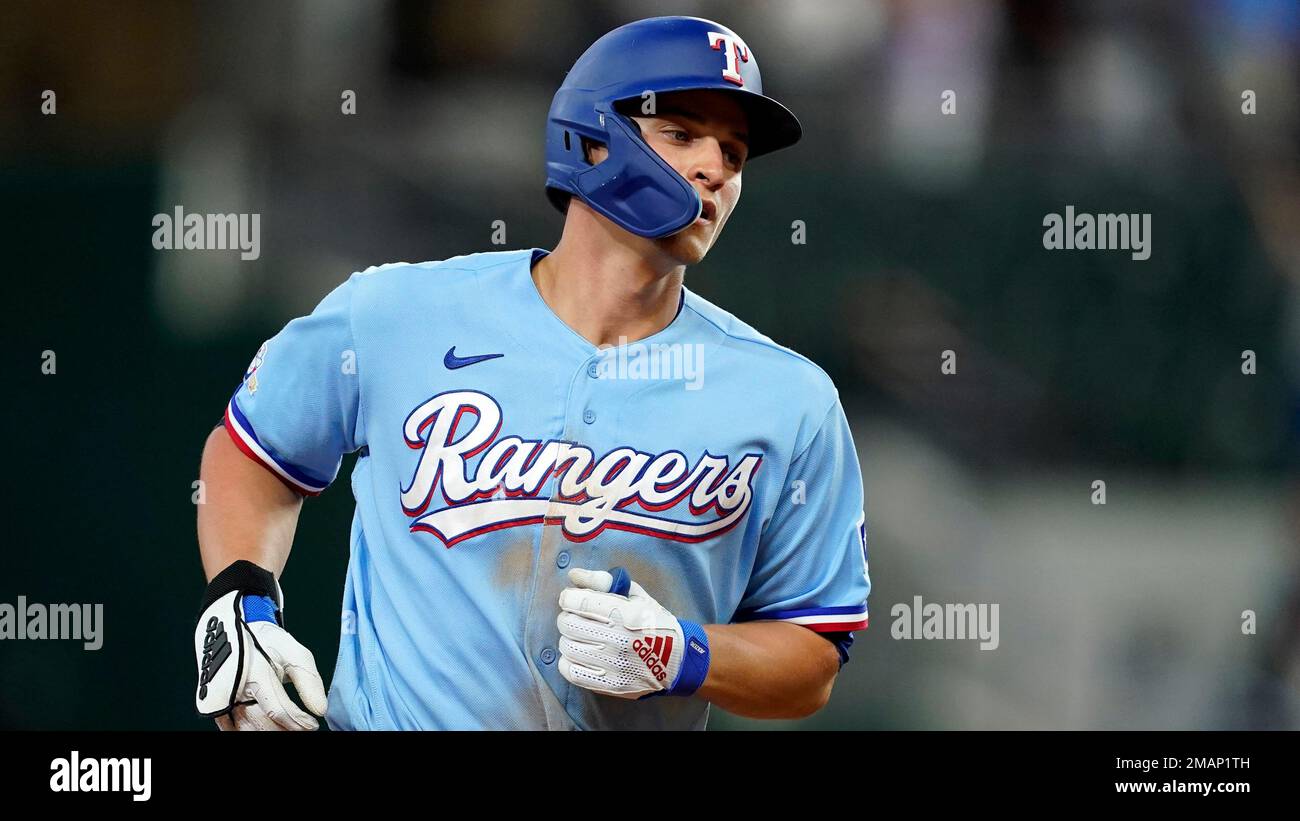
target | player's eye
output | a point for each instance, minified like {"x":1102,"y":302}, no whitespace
{"x":678,"y":134}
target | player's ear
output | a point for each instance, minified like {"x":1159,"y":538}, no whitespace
{"x":594,"y":151}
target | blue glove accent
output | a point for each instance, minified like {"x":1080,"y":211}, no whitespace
{"x":695,"y":661}
{"x":622,"y":581}
{"x":259,"y":608}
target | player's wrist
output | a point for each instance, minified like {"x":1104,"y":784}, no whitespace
{"x":260,"y":595}
{"x":245,"y":577}
{"x":695,"y":660}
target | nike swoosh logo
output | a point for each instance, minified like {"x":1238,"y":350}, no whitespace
{"x":453,"y":362}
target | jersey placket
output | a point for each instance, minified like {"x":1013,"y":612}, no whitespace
{"x":588,"y":412}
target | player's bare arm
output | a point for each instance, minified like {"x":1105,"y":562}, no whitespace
{"x":769,"y":670}
{"x":245,"y":528}
{"x":247,"y":514}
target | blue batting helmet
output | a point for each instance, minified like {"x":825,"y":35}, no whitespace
{"x":633,"y":187}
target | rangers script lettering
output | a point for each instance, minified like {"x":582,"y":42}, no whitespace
{"x":592,"y":492}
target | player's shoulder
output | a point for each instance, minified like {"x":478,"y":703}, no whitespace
{"x":444,"y":282}
{"x":443,"y":271}
{"x":798,"y":375}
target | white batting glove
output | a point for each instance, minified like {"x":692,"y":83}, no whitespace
{"x":245,"y":656}
{"x":617,"y":640}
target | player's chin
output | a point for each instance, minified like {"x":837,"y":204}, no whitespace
{"x":690,"y":246}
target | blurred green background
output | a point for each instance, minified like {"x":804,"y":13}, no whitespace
{"x":924,"y":233}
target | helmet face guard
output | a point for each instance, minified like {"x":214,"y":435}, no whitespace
{"x":633,"y":186}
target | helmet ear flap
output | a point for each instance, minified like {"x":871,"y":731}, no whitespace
{"x":634,"y":187}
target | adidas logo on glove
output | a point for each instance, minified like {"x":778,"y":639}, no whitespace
{"x":655,"y":654}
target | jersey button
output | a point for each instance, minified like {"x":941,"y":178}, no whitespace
{"x":593,"y":370}
{"x":589,"y":416}
{"x":562,"y":560}
{"x":547,"y":655}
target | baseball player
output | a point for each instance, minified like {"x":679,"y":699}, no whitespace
{"x":550,"y":533}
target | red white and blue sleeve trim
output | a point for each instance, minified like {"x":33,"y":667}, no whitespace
{"x":245,"y":438}
{"x":819,"y":619}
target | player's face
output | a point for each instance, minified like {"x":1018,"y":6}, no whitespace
{"x":701,"y":134}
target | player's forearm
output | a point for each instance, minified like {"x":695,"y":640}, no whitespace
{"x":246,"y":513}
{"x":768,"y":669}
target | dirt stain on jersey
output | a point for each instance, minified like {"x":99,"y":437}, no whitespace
{"x":654,"y":580}
{"x":515,"y":561}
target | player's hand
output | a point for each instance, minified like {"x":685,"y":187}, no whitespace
{"x":617,"y":640}
{"x":245,"y":655}
{"x":277,"y":657}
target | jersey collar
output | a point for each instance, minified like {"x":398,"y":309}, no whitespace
{"x":676,"y":331}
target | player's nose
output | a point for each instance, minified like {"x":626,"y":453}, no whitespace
{"x":708,"y":163}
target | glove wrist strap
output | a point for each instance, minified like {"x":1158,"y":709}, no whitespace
{"x":695,"y":660}
{"x":245,"y":576}
{"x":252,"y":581}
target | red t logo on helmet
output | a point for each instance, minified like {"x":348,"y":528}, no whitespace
{"x":735,"y":49}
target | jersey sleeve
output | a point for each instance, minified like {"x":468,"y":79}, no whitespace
{"x":296,"y":410}
{"x":811,"y":566}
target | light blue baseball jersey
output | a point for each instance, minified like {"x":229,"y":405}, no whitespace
{"x":497,"y":447}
